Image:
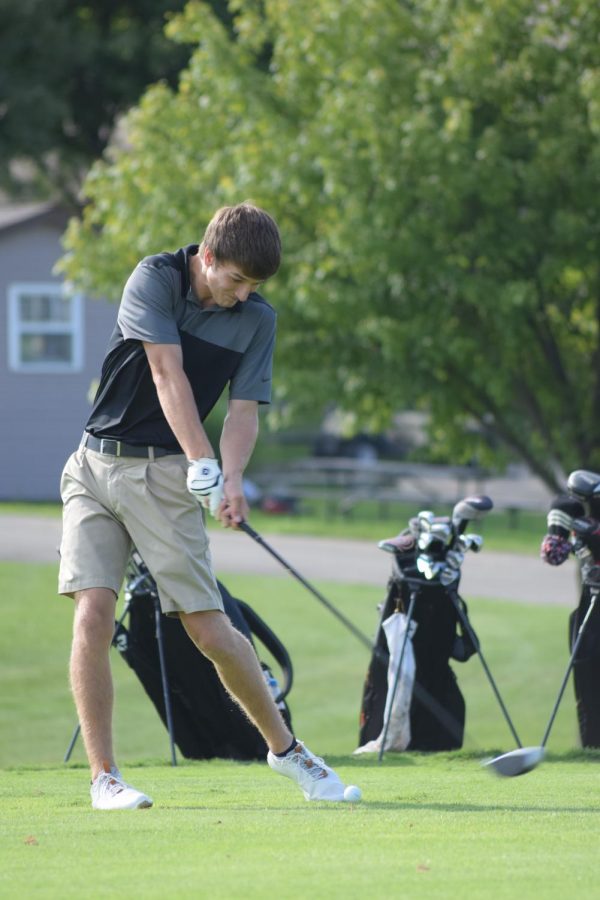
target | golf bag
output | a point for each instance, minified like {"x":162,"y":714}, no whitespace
{"x":437,"y":706}
{"x":574,"y":528}
{"x":586,"y":671}
{"x":206,"y":722}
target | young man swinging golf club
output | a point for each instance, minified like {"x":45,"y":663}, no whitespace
{"x":189,"y":325}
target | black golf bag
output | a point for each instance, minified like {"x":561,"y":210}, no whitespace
{"x":437,"y":709}
{"x":586,"y":671}
{"x":206,"y":722}
{"x":574,"y":528}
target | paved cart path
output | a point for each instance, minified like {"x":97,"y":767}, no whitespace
{"x":503,"y":576}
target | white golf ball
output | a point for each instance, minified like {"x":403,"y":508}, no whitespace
{"x":352,"y":794}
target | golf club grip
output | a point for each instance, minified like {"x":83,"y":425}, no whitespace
{"x":244,"y":526}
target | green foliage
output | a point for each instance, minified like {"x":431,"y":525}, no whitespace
{"x":434,"y":170}
{"x":69,"y":68}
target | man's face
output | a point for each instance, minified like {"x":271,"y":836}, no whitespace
{"x":227,"y":283}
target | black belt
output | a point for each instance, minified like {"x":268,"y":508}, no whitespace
{"x":119,"y":448}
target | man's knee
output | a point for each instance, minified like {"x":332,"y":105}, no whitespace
{"x":212,"y":632}
{"x":94,"y":616}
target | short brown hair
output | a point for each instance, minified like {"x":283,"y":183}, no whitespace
{"x":247,"y":236}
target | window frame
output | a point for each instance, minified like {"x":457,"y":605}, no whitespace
{"x":74,"y":326}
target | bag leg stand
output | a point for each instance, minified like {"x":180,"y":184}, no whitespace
{"x":386,"y":724}
{"x":163,"y":676}
{"x":467,"y":626}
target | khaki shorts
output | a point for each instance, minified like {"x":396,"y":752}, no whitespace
{"x":113,"y":503}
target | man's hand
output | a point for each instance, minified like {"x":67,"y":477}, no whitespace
{"x":235,"y":508}
{"x":205,"y":482}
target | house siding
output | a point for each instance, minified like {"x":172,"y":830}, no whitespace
{"x":42,"y":415}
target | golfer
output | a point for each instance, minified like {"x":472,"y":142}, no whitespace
{"x":189,"y":325}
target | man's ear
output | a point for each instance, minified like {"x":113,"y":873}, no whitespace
{"x":208,"y":257}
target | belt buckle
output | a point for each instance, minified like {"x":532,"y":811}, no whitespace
{"x":106,"y":441}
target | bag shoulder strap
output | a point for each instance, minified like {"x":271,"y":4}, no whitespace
{"x":273,"y":644}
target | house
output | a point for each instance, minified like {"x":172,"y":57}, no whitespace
{"x":51,"y":348}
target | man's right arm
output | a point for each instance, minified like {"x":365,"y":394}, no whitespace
{"x":177,"y":400}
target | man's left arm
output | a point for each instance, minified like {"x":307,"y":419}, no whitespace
{"x":240,"y":431}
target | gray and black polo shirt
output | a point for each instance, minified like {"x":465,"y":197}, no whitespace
{"x":220,"y":347}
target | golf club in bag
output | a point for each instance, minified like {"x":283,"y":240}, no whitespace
{"x":200,"y":716}
{"x":573,"y":528}
{"x":424,"y":604}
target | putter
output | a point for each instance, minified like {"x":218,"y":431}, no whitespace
{"x":524,"y":759}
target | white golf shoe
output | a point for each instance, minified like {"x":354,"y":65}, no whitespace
{"x":315,"y":778}
{"x":109,"y":791}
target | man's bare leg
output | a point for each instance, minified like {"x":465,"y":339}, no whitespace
{"x":91,"y":679}
{"x":240,"y":671}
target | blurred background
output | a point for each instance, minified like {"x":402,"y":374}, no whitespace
{"x":434,"y":170}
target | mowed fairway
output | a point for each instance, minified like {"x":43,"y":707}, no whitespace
{"x":429,"y":825}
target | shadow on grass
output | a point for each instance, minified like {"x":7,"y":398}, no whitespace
{"x":391,"y":805}
{"x":402,"y":760}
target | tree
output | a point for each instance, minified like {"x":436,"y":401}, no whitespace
{"x":69,"y":69}
{"x":434,"y":168}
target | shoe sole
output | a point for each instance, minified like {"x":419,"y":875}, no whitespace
{"x":144,"y":804}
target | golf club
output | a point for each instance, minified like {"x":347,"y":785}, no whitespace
{"x":524,"y":759}
{"x":430,"y":702}
{"x":245,"y":527}
{"x":471,"y":509}
{"x":584,"y":485}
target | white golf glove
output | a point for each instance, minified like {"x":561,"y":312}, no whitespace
{"x":205,"y":482}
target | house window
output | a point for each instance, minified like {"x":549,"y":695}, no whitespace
{"x":45,"y":329}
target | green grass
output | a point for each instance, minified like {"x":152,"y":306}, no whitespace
{"x":501,"y":530}
{"x":525,"y":646}
{"x":430,"y":826}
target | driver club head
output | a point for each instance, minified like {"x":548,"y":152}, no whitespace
{"x":472,"y":508}
{"x":583,"y":484}
{"x":516,"y":762}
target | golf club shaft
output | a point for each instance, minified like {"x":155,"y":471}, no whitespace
{"x":449,"y":722}
{"x":467,"y":626}
{"x":569,"y":667}
{"x":244,"y":526}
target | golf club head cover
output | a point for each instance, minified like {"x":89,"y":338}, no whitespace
{"x":555,"y":549}
{"x":205,"y":482}
{"x":562,"y":512}
{"x":556,"y":545}
{"x":402,"y":543}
